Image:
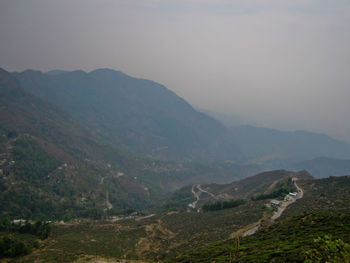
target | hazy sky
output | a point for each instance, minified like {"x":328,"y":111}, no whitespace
{"x":275,"y":63}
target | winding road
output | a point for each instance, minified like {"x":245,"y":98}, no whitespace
{"x":284,"y":204}
{"x":108,"y":204}
{"x":205,"y":191}
{"x":197,"y":195}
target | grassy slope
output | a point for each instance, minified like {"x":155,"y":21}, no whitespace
{"x":324,"y":209}
{"x":262,"y":183}
{"x":198,"y":237}
{"x":151,"y":239}
{"x":332,"y":194}
{"x":286,"y":241}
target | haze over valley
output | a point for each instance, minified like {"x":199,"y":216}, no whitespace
{"x":174,"y":131}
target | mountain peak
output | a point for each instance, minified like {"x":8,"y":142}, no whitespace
{"x":8,"y":82}
{"x":104,"y":70}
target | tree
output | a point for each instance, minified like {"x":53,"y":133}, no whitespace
{"x":328,"y":250}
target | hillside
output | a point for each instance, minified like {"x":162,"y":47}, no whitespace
{"x":212,"y":236}
{"x":137,"y":115}
{"x":331,"y":194}
{"x":256,"y":184}
{"x":275,"y":183}
{"x":315,"y":236}
{"x":73,"y":171}
{"x":322,"y":214}
{"x":52,"y":166}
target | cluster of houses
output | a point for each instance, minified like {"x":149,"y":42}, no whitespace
{"x":288,"y":197}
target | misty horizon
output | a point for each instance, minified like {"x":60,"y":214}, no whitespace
{"x":266,"y":63}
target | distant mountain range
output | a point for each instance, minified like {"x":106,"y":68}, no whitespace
{"x":104,"y":141}
{"x":144,"y":118}
{"x":263,"y":145}
{"x":51,"y":165}
{"x":324,"y":167}
{"x":137,"y":115}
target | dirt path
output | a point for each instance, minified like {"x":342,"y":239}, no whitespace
{"x":272,"y":186}
{"x":252,"y":231}
{"x":300,"y":191}
{"x":197,"y":195}
{"x":285,"y":204}
{"x":245,"y":231}
{"x":205,"y":191}
{"x":254,"y":227}
{"x":108,"y":204}
{"x":98,"y":259}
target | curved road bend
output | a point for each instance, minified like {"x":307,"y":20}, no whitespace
{"x":197,"y":194}
{"x":284,"y":205}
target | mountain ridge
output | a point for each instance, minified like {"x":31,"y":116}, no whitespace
{"x":139,"y":115}
{"x":144,"y":118}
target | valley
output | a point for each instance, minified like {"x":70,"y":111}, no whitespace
{"x":102,"y":171}
{"x":174,"y":131}
{"x":174,"y":236}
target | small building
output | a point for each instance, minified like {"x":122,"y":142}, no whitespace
{"x":287,"y":198}
{"x":275,"y":203}
{"x":294,"y":195}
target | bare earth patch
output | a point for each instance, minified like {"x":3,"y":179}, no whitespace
{"x":156,"y":233}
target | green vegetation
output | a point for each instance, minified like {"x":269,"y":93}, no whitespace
{"x":330,"y":194}
{"x":328,"y":250}
{"x":38,"y":228}
{"x":12,"y":134}
{"x":179,"y":200}
{"x":282,"y":188}
{"x":18,"y":239}
{"x":222,"y":205}
{"x":10,"y":247}
{"x":151,"y":238}
{"x":280,"y":193}
{"x":31,"y":161}
{"x":198,"y":237}
{"x":290,"y":240}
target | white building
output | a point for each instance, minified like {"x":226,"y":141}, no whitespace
{"x":294,"y":195}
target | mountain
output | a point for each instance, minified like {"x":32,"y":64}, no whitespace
{"x":228,"y":120}
{"x":137,"y":115}
{"x":48,"y":159}
{"x":278,"y":148}
{"x":56,"y":72}
{"x":51,"y":166}
{"x":144,"y":118}
{"x":324,"y":167}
